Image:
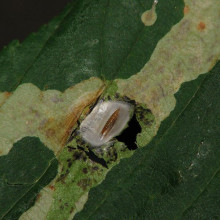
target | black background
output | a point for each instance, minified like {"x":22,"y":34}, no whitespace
{"x":18,"y":18}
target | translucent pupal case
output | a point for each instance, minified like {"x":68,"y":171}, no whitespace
{"x":106,"y":121}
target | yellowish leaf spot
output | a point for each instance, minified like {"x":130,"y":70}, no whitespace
{"x":149,"y":17}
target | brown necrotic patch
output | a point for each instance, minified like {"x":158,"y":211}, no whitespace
{"x":61,"y":129}
{"x":85,"y":183}
{"x":3,"y":97}
{"x":50,"y":115}
{"x":186,"y":9}
{"x":71,"y":210}
{"x":52,"y":187}
{"x":85,"y":170}
{"x":201,"y":26}
{"x":38,"y":197}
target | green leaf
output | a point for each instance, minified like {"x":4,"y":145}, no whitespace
{"x":91,"y":38}
{"x":27,"y":168}
{"x":16,"y":59}
{"x":177,"y":175}
{"x":48,"y":84}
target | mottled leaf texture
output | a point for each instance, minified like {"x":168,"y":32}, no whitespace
{"x":177,"y":175}
{"x":27,"y":168}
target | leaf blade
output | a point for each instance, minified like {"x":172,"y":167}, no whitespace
{"x":159,"y":180}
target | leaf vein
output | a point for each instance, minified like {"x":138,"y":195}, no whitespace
{"x":13,"y":205}
{"x":102,"y":37}
{"x":200,"y":194}
{"x":38,"y":54}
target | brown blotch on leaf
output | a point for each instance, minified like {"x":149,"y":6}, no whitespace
{"x":201,"y":26}
{"x":84,"y":183}
{"x":38,"y":196}
{"x":70,"y":149}
{"x":186,"y":9}
{"x":95,"y":168}
{"x":79,"y":155}
{"x":62,"y":178}
{"x":70,"y":164}
{"x":71,"y":210}
{"x":50,"y":132}
{"x":52,"y":187}
{"x":73,"y":117}
{"x":59,"y":130}
{"x":85,"y":170}
{"x":7,"y":94}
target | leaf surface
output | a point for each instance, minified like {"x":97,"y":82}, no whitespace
{"x":91,"y":38}
{"x":177,"y":175}
{"x":47,"y":87}
{"x":28,"y":167}
{"x":16,"y":59}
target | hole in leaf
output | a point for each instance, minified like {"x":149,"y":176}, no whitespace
{"x":96,"y":159}
{"x":92,"y":156}
{"x":128,"y":136}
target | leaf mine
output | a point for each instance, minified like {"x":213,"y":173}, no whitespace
{"x":149,"y":17}
{"x":49,"y":115}
{"x":191,"y":48}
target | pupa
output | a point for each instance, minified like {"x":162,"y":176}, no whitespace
{"x":106,"y":120}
